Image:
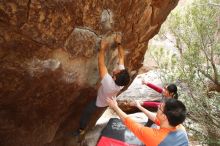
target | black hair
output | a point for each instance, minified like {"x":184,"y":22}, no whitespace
{"x":175,"y":111}
{"x":122,"y":78}
{"x":172,"y":88}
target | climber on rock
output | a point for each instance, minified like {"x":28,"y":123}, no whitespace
{"x":109,"y":86}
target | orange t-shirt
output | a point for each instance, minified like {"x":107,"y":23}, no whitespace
{"x":150,"y":136}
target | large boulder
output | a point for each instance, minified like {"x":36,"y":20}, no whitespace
{"x":48,"y":52}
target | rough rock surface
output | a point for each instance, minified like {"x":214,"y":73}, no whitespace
{"x":48,"y":52}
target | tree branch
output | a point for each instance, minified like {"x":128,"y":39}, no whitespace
{"x":209,"y":3}
{"x":208,"y":76}
{"x":213,"y":4}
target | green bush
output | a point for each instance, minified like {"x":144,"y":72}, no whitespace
{"x":195,"y":31}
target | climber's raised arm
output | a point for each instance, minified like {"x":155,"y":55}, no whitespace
{"x":101,"y":58}
{"x":120,"y":49}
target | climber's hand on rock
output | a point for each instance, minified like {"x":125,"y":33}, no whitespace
{"x":118,"y":38}
{"x":104,"y":44}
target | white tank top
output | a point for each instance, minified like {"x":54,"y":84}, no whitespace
{"x":107,"y":89}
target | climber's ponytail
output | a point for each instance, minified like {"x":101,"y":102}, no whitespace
{"x":172,"y":88}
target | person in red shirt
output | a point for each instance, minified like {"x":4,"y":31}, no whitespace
{"x":168,"y":92}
